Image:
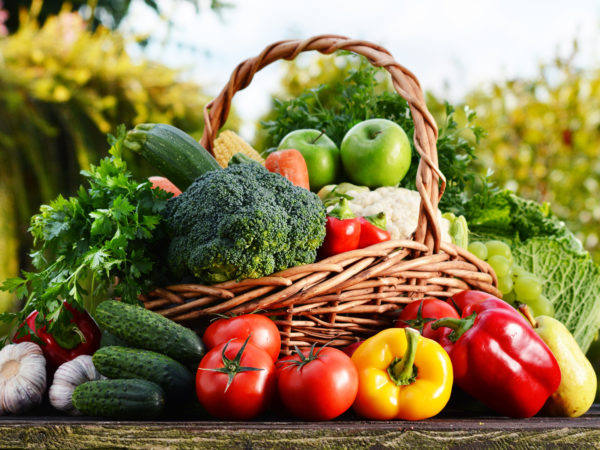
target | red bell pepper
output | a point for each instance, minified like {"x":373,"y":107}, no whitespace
{"x":373,"y":230}
{"x":499,"y":359}
{"x":342,"y":231}
{"x":81,"y":337}
{"x":464,"y":298}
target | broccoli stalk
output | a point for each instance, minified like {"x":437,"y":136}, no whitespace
{"x":242,"y":222}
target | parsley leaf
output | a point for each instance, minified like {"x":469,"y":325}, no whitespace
{"x":95,"y":245}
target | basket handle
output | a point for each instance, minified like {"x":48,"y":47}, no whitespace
{"x":430,"y":181}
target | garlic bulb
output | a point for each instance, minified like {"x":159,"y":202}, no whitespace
{"x":22,"y":377}
{"x":67,"y":377}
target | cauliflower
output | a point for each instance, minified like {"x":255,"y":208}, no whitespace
{"x":401,"y":208}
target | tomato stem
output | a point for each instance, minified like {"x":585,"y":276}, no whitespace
{"x":231,"y":367}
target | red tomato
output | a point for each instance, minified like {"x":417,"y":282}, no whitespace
{"x":420,"y":314}
{"x":262,"y":331}
{"x":462,"y":299}
{"x":317,"y":385}
{"x":165,"y":184}
{"x":243,"y":383}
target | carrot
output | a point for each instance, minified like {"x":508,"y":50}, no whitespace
{"x":165,"y":184}
{"x":291,"y":164}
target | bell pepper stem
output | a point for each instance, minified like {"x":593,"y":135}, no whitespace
{"x":403,"y":371}
{"x":459,"y":326}
{"x":379,"y":220}
{"x":342,"y":210}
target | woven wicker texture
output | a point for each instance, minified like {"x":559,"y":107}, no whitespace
{"x":355,"y":294}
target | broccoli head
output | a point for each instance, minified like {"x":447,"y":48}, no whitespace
{"x":242,"y":222}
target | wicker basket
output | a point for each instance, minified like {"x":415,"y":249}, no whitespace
{"x":352,"y":295}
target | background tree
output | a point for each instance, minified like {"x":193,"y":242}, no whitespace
{"x":108,"y":13}
{"x":544,"y":140}
{"x":62,"y":88}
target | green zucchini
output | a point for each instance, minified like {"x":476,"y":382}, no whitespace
{"x":174,"y":153}
{"x":123,"y":362}
{"x":141,"y":328}
{"x":119,"y":399}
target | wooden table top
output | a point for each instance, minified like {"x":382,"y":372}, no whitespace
{"x":451,"y":428}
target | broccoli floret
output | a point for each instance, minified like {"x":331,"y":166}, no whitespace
{"x":242,"y":222}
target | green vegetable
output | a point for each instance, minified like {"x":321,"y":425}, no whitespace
{"x":505,"y":215}
{"x":359,"y":98}
{"x":242,"y":222}
{"x":571,"y":281}
{"x":108,"y":230}
{"x":109,"y":339}
{"x":459,"y":229}
{"x":174,"y":153}
{"x":146,"y":329}
{"x":122,"y":362}
{"x":131,"y":399}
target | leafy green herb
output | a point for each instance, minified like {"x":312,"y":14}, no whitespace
{"x":335,"y":109}
{"x":95,"y":245}
{"x":503,"y":214}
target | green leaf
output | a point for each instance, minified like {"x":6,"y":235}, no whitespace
{"x":571,"y":281}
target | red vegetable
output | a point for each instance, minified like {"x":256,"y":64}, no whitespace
{"x":342,"y":231}
{"x":81,"y":337}
{"x":165,"y":184}
{"x":461,"y":299}
{"x":419,"y":315}
{"x":291,"y":164}
{"x":351,"y":348}
{"x":373,"y":230}
{"x":261,"y":330}
{"x":317,"y":385}
{"x":236,"y":380}
{"x":499,"y":359}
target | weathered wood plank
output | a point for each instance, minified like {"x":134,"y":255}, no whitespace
{"x":446,"y":431}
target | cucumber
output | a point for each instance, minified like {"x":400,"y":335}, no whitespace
{"x":141,"y":328}
{"x":109,"y":339}
{"x":119,"y":399}
{"x":124,"y":362}
{"x":174,"y":153}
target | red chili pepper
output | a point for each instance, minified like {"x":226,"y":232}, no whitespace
{"x":373,"y":230}
{"x":82,"y":337}
{"x":499,"y":359}
{"x":342,"y":231}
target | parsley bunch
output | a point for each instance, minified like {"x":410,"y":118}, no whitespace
{"x":95,"y":245}
{"x":338,"y":107}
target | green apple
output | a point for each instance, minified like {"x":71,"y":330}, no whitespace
{"x":375,"y":153}
{"x":321,"y":154}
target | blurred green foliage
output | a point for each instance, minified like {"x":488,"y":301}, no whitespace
{"x":543,"y":133}
{"x":544,"y":141}
{"x":62,"y":88}
{"x":108,"y":13}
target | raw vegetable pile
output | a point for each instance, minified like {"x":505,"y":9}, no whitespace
{"x":337,"y":179}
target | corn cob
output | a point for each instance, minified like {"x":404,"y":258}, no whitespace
{"x":228,"y":144}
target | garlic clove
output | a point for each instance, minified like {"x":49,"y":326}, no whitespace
{"x":67,"y":377}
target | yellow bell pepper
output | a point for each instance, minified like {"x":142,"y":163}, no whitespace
{"x":401,"y":375}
